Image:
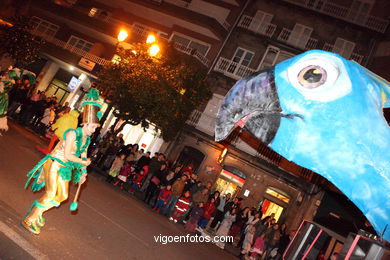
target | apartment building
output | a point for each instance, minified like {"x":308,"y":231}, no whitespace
{"x":232,"y":39}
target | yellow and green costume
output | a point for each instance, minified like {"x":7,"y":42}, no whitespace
{"x":54,"y":173}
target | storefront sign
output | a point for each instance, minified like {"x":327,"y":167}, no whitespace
{"x":87,"y":64}
{"x":73,"y":84}
{"x":232,"y":177}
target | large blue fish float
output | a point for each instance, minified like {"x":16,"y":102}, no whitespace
{"x":324,"y":113}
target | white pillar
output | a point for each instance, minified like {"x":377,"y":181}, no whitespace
{"x":47,"y":74}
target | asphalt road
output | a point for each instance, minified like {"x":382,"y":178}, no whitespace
{"x":109,"y":224}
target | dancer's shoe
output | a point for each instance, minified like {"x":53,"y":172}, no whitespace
{"x":30,"y":226}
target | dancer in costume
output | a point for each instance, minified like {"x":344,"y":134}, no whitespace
{"x":5,"y":87}
{"x":7,"y":80}
{"x":68,"y":158}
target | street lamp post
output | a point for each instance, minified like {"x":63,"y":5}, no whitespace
{"x":122,"y":36}
{"x":153,"y":50}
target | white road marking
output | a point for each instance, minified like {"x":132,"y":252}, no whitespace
{"x":23,"y":243}
{"x":116,"y":224}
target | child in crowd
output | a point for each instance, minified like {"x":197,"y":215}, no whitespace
{"x":138,"y":179}
{"x":248,"y":240}
{"x":181,"y":207}
{"x":116,"y":167}
{"x":162,"y":198}
{"x":195,"y":215}
{"x":225,"y":226}
{"x":123,"y":175}
{"x":258,"y":247}
{"x":47,"y":119}
{"x":209,"y":209}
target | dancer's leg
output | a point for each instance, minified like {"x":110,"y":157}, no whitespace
{"x":56,"y":192}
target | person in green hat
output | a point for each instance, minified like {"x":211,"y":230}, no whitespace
{"x":67,"y":161}
{"x":7,"y":80}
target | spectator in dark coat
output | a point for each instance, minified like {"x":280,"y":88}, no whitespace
{"x":154,"y":165}
{"x":144,"y":160}
{"x":220,"y":213}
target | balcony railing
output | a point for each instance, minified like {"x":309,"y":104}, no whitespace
{"x":341,"y":12}
{"x":246,"y":22}
{"x":73,"y":49}
{"x":232,"y":69}
{"x":354,"y":56}
{"x":187,"y":5}
{"x":193,"y":120}
{"x":192,"y":52}
{"x":285,"y":34}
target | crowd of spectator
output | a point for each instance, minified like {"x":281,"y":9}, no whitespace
{"x":173,"y":190}
{"x":32,"y":108}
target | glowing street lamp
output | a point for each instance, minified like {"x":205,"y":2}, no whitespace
{"x":222,"y":156}
{"x":151,"y":39}
{"x":122,"y":35}
{"x":154,"y":50}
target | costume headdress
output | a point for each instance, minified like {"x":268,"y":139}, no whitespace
{"x":16,"y":73}
{"x":91,"y":107}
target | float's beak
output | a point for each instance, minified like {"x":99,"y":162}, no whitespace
{"x":252,"y":104}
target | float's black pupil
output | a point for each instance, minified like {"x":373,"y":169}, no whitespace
{"x":312,"y":77}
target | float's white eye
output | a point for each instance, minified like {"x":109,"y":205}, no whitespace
{"x":312,"y":76}
{"x":320,"y":77}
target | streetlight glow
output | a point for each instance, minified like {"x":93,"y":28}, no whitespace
{"x":122,"y":35}
{"x":154,"y":50}
{"x":151,"y":39}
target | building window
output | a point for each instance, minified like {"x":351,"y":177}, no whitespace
{"x":300,"y":35}
{"x":98,"y":13}
{"x":201,"y":47}
{"x":43,"y":28}
{"x":238,"y":66}
{"x":79,"y":43}
{"x":343,"y":47}
{"x":272,"y":56}
{"x":360,"y":10}
{"x":260,"y":22}
{"x":243,"y":57}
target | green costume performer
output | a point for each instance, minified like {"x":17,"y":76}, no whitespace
{"x":6,"y":83}
{"x":65,"y":163}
